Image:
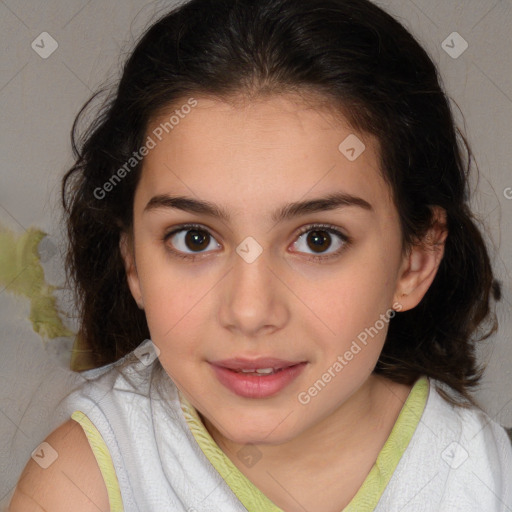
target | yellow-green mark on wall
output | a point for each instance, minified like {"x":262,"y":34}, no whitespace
{"x":22,"y":273}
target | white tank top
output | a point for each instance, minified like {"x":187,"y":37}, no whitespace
{"x":457,"y":460}
{"x":158,"y":464}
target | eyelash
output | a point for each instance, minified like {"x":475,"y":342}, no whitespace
{"x":310,"y":227}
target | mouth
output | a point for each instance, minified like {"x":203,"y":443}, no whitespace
{"x":257,"y":378}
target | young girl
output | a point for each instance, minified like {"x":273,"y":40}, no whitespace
{"x":280,"y":280}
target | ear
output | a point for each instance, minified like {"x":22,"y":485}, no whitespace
{"x":420,"y":264}
{"x":126,"y":247}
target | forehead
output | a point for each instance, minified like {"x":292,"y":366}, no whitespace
{"x":260,"y":149}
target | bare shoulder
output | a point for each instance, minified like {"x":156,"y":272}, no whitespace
{"x":71,"y":481}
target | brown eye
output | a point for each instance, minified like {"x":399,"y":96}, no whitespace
{"x":325,"y":241}
{"x":189,"y":240}
{"x":318,"y":241}
{"x":197,"y":240}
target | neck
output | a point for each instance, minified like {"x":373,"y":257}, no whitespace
{"x":371,"y":411}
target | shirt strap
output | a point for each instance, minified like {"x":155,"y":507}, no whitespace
{"x":103,"y":459}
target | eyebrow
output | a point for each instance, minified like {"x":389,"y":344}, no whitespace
{"x":188,"y":204}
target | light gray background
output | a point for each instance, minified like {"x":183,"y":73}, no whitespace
{"x":39,"y":99}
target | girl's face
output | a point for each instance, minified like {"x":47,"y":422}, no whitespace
{"x":292,"y":263}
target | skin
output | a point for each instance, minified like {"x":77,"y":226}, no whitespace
{"x":73,"y":481}
{"x":251,"y":160}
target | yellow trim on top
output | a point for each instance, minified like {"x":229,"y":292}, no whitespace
{"x":248,"y":494}
{"x":370,"y":492}
{"x":103,"y":459}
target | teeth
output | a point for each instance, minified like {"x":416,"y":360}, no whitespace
{"x":264,"y":371}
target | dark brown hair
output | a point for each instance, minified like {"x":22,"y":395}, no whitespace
{"x":365,"y":65}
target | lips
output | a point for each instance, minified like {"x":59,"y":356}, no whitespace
{"x":256,"y":378}
{"x":238,"y":364}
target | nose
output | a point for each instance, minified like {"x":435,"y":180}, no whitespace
{"x":253,"y":300}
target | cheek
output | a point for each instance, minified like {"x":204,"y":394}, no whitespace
{"x":171,"y":299}
{"x":174,"y":320}
{"x":173,"y":312}
{"x":354,"y":296}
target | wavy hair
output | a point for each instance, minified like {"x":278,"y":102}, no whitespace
{"x":360,"y":62}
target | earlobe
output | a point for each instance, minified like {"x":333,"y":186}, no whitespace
{"x":420,"y":265}
{"x":128,"y":255}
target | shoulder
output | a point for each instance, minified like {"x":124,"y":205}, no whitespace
{"x":469,"y":425}
{"x":67,"y":478}
{"x":458,"y":459}
{"x":475,"y":449}
{"x":131,"y":373}
{"x":472,"y":420}
{"x":104,"y":391}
